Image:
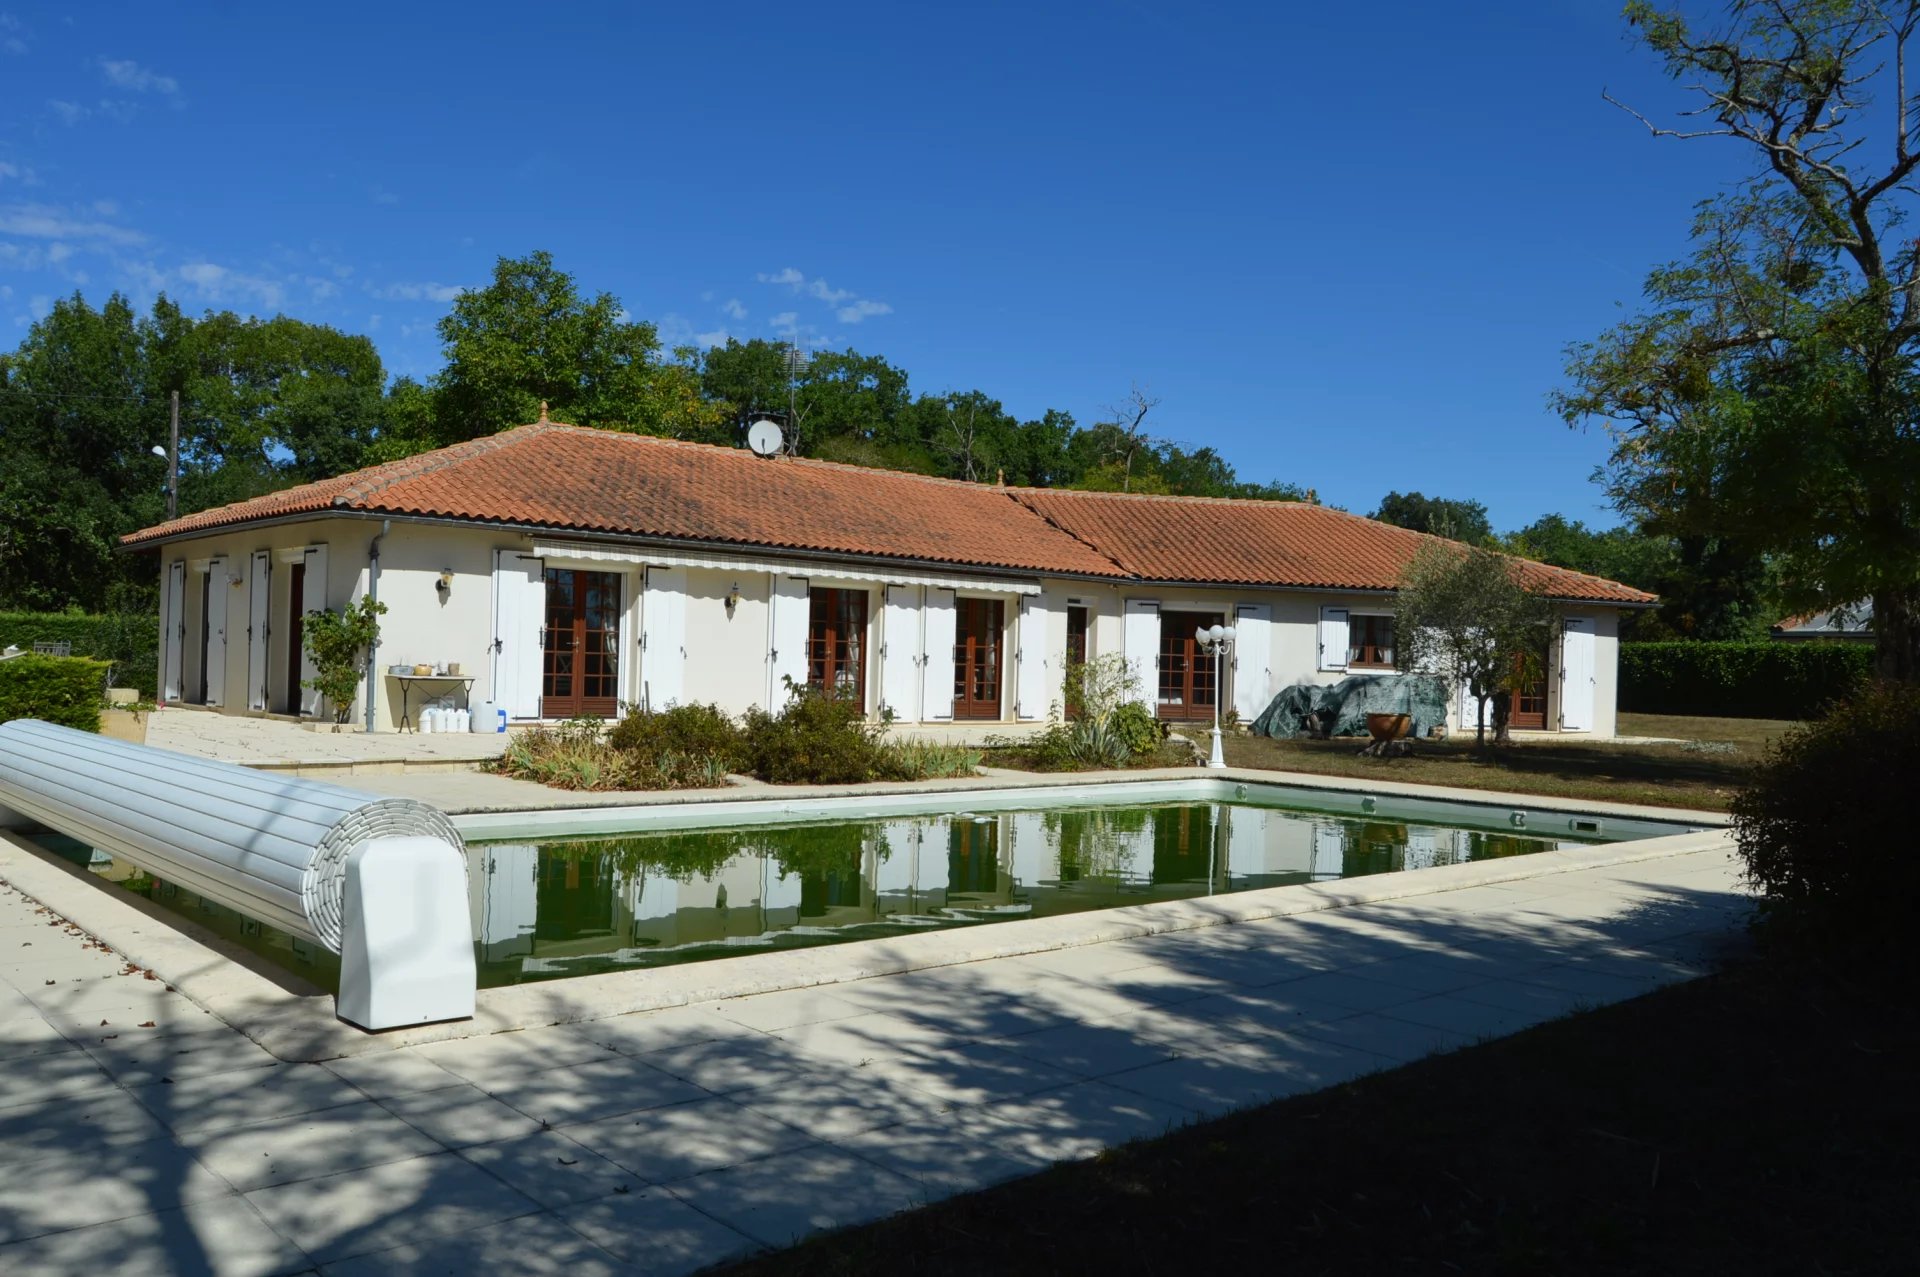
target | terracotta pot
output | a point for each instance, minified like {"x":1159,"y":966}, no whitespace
{"x":1389,"y":726}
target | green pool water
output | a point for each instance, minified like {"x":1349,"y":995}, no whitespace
{"x":545,"y":910}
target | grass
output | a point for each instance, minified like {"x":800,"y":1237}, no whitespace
{"x":1701,"y":773}
{"x":1759,"y":1120}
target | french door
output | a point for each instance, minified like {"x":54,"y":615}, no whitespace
{"x":1187,"y":689}
{"x":979,"y":626}
{"x":580,"y":670}
{"x":836,"y":644}
{"x":1530,"y":702}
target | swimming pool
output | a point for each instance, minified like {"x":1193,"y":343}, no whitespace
{"x":555,"y":896}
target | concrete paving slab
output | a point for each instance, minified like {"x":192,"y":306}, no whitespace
{"x":414,"y":1202}
{"x":531,"y":1246}
{"x":661,"y":1145}
{"x":596,"y":1090}
{"x":457,"y":1116}
{"x":945,"y":1155}
{"x":552,"y":1169}
{"x":656,"y":1233}
{"x":217,"y":1237}
{"x":79,"y":1127}
{"x":59,"y":1191}
{"x":781,"y":1199}
{"x":220,"y":1101}
{"x":309,"y":1146}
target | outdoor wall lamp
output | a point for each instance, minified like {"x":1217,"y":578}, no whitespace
{"x":733,"y":600}
{"x":444,"y":586}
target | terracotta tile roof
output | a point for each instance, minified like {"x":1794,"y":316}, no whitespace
{"x":566,"y":478}
{"x":570,"y":479}
{"x":1226,"y":542}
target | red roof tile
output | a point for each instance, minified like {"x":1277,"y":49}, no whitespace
{"x":1210,"y":541}
{"x":566,"y":478}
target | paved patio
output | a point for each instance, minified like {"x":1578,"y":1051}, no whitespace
{"x":138,"y":1134}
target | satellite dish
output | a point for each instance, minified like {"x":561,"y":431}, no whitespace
{"x":764,"y":437}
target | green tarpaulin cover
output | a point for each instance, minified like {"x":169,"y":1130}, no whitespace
{"x":1342,"y":708}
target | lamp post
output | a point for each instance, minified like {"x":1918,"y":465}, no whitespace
{"x":1214,"y":640}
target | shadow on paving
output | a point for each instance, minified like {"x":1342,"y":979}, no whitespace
{"x":791,"y":1113}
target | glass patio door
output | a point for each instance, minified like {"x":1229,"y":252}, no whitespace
{"x":580,"y":672}
{"x":978,"y":628}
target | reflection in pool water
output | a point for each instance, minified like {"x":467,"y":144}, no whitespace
{"x":543,"y":911}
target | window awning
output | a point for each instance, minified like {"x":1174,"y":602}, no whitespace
{"x":590,"y":555}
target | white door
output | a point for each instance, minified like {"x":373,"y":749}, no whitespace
{"x":214,"y":667}
{"x":663,"y":645}
{"x":898,"y":856}
{"x":313,"y":598}
{"x":787,"y":638}
{"x":1423,"y":848}
{"x":519,"y":615}
{"x":900,"y":652}
{"x":1246,"y":840}
{"x":173,"y":630}
{"x":259,"y":582}
{"x":1252,"y":660}
{"x":940,"y":628}
{"x":1333,"y":638}
{"x":1033,"y":691}
{"x":1577,"y":676}
{"x":1470,"y":710}
{"x":1031,"y":861}
{"x":1140,"y":644}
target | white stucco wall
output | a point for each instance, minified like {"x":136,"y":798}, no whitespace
{"x":727,"y":659}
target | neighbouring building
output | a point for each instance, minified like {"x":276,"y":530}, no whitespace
{"x":571,"y":571}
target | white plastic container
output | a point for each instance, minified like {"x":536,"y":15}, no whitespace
{"x":462,"y":720}
{"x":487,"y":716}
{"x":426,"y":721}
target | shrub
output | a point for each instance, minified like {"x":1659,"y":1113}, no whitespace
{"x":815,"y":739}
{"x":57,"y":689}
{"x":338,"y":643}
{"x":130,"y":640}
{"x":921,"y":759}
{"x":1137,"y":728}
{"x":1741,"y":680}
{"x":697,"y":738}
{"x":1824,"y":830}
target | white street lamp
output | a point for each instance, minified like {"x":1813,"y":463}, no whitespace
{"x":1214,"y":640}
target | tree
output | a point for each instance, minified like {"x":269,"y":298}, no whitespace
{"x":338,"y":644}
{"x":531,"y":337}
{"x":1768,"y":396}
{"x":1462,"y":614}
{"x":1463,"y":521}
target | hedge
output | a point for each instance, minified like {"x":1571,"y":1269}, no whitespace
{"x":130,"y":640}
{"x":1741,"y":680}
{"x":59,"y":689}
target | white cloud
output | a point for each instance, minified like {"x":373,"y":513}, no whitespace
{"x":70,"y":113}
{"x":785,"y":321}
{"x":849,"y":308}
{"x":15,"y":173}
{"x":381,"y":195}
{"x":13,"y":34}
{"x":46,"y":221}
{"x":125,"y":73}
{"x":217,"y":283}
{"x":733,"y":309}
{"x":58,"y":252}
{"x":862,"y":309}
{"x":707,"y":341}
{"x":428,"y":292}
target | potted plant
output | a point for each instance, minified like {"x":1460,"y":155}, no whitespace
{"x":338,"y":644}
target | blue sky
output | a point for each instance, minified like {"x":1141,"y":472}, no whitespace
{"x":1345,"y":247}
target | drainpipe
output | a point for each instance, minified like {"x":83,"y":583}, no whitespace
{"x":373,"y":592}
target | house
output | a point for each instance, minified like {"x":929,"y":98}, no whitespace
{"x":570,"y":571}
{"x":1853,"y":622}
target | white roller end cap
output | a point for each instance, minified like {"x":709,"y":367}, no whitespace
{"x":407,"y":943}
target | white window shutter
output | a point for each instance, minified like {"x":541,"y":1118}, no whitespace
{"x":787,"y":638}
{"x":900,"y":652}
{"x":663,"y":654}
{"x":941,"y":631}
{"x":519,"y":617}
{"x":1252,"y":659}
{"x":1333,"y":638}
{"x":1140,"y":642}
{"x":313,"y":598}
{"x":215,"y":672}
{"x":1031,"y":698}
{"x":173,"y":636}
{"x":259,"y":584}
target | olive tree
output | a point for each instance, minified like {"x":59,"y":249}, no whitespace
{"x":1461,"y":614}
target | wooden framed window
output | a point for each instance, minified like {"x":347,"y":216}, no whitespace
{"x":581,"y":645}
{"x":1369,"y":642}
{"x":979,"y":627}
{"x":1076,"y":653}
{"x":837,"y":643}
{"x":1186,"y":684}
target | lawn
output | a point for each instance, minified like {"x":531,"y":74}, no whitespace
{"x":1759,"y":1120}
{"x":1703,"y":772}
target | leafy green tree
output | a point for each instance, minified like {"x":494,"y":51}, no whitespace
{"x":1462,"y":614}
{"x":1767,"y":396}
{"x":338,"y":644}
{"x":531,"y":337}
{"x":1462,"y":521}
